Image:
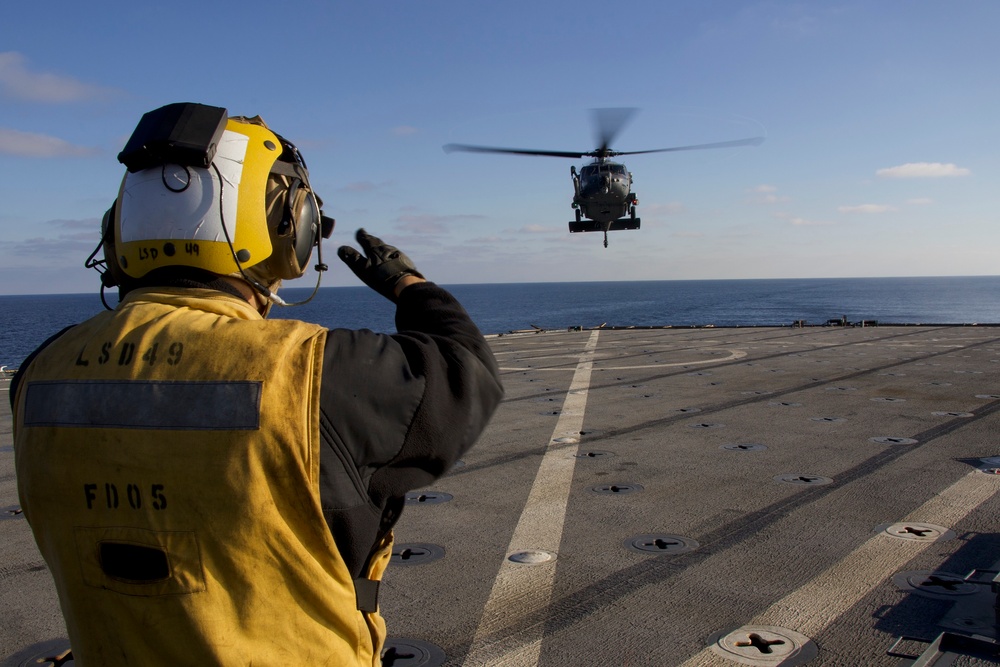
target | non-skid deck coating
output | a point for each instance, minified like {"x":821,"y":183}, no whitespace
{"x":690,"y":497}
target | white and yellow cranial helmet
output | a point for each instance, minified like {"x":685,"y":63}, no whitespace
{"x":209,"y":192}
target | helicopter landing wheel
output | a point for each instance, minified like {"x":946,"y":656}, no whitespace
{"x":632,"y":212}
{"x":578,"y":216}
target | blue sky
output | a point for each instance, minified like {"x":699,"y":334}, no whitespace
{"x":881,"y":124}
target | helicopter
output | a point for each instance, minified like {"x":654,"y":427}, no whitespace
{"x":602,"y":190}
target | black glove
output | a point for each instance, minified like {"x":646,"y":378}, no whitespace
{"x":383,"y":267}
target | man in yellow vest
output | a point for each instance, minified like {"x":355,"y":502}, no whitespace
{"x":210,"y":487}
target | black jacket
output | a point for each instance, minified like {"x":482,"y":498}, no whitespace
{"x":397,"y":411}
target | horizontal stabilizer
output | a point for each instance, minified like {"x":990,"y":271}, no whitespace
{"x":592,"y":226}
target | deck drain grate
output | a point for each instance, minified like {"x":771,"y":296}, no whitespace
{"x":411,"y":653}
{"x":935,"y":584}
{"x":804,"y":480}
{"x":532,"y":557}
{"x":427,"y":497}
{"x":705,"y":425}
{"x":830,"y":420}
{"x":888,"y":399}
{"x":616,"y":489}
{"x":764,"y":645}
{"x":415,"y":554}
{"x":953,"y":414}
{"x":745,"y":447}
{"x":11,"y":512}
{"x":660,"y":544}
{"x":892,"y":440}
{"x":784,"y":404}
{"x":916,"y":531}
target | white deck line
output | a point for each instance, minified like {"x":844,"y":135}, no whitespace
{"x":520,"y":589}
{"x":810,"y":609}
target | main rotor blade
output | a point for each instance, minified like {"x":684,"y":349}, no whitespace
{"x":608,"y":123}
{"x":451,"y":148}
{"x":752,"y":141}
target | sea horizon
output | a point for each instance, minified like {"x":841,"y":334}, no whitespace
{"x":309,"y":287}
{"x":499,"y":308}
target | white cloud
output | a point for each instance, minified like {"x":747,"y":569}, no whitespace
{"x":764,"y":188}
{"x":923,"y":170}
{"x":866,"y":208}
{"x":404,"y":130}
{"x":920,"y":201}
{"x":29,"y":144}
{"x":17,"y":81}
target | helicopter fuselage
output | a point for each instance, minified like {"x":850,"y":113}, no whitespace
{"x":602,"y":191}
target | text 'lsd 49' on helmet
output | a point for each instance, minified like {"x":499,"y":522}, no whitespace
{"x":226,"y":195}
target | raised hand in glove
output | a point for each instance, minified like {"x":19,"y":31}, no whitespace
{"x":382,"y":267}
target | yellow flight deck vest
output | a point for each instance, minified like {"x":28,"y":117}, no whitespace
{"x":167,"y":460}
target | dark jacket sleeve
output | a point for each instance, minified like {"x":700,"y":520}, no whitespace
{"x":397,"y":411}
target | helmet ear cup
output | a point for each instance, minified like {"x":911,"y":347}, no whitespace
{"x":293,"y":222}
{"x":302,"y":212}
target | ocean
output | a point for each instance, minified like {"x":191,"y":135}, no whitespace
{"x":500,"y":308}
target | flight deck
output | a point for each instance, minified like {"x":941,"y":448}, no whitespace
{"x":684,"y":497}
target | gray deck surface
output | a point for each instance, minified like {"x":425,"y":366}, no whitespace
{"x":811,"y":493}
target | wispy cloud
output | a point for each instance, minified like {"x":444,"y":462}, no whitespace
{"x":18,"y":81}
{"x":920,"y":201}
{"x":670,"y":208}
{"x":29,"y":144}
{"x":404,"y":130}
{"x":428,"y":223}
{"x":867,"y":208}
{"x":767,"y":194}
{"x":923,"y":170}
{"x":62,"y":238}
{"x":364,"y":186}
{"x":798,"y":221}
